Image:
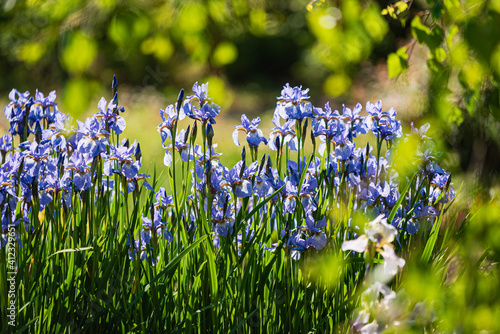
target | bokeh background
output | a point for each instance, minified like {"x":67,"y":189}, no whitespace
{"x":433,"y":61}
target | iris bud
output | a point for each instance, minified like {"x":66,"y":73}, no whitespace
{"x":195,"y":131}
{"x":243,"y":154}
{"x":138,"y":153}
{"x":115,"y":99}
{"x":114,"y":84}
{"x":304,"y":129}
{"x":179,"y":99}
{"x":277,"y":143}
{"x":262,"y":162}
{"x":210,"y":134}
{"x":242,"y":169}
{"x":186,"y":134}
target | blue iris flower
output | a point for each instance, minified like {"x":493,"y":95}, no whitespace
{"x":9,"y":221}
{"x":430,"y":166}
{"x":181,"y":146}
{"x":372,"y":192}
{"x":162,"y":200}
{"x":285,"y":133}
{"x":40,"y":108}
{"x":294,"y":244}
{"x":242,"y":187}
{"x":169,"y":117}
{"x":112,"y":120}
{"x":223,"y":219}
{"x":36,"y":161}
{"x":15,"y":111}
{"x":5,"y":144}
{"x":211,"y":157}
{"x":317,"y":238}
{"x":293,"y":104}
{"x":254,"y":134}
{"x":49,"y":186}
{"x":357,"y":123}
{"x":157,"y":226}
{"x":56,"y":135}
{"x":207,"y":111}
{"x":383,"y":123}
{"x":200,"y":92}
{"x":263,"y":186}
{"x":344,"y":150}
{"x":323,"y":117}
{"x":439,"y":183}
{"x":125,"y":164}
{"x":78,"y":171}
{"x":143,"y":247}
{"x":334,"y":132}
{"x":95,"y":137}
{"x":420,"y":132}
{"x":291,"y":198}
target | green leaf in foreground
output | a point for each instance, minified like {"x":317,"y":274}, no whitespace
{"x":400,"y":199}
{"x":70,"y":250}
{"x":397,"y":63}
{"x":170,"y":266}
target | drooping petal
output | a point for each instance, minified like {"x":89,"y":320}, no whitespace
{"x":244,"y":189}
{"x":358,"y":245}
{"x":119,"y":125}
{"x":318,"y":241}
{"x":167,"y":159}
{"x":235,"y":137}
{"x":391,"y":261}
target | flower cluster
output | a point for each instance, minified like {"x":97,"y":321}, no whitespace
{"x":77,"y":192}
{"x":339,"y":171}
{"x":60,"y":165}
{"x":296,"y":198}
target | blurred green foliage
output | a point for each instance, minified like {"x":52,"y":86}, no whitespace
{"x":463,"y":40}
{"x":345,"y":33}
{"x":459,"y":289}
{"x":171,"y":43}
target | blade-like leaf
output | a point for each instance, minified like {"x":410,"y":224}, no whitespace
{"x":171,"y":265}
{"x":70,"y":250}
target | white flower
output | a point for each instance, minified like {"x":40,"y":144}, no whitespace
{"x":382,"y":235}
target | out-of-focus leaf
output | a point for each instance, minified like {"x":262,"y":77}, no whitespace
{"x":474,"y":74}
{"x":79,"y":52}
{"x":437,"y":10}
{"x":31,"y":52}
{"x":224,"y":53}
{"x":482,"y":35}
{"x":159,"y":46}
{"x":401,"y":6}
{"x":439,"y":54}
{"x":218,"y":10}
{"x":374,"y":24}
{"x":258,"y":21}
{"x":397,"y":63}
{"x":192,"y":18}
{"x":77,"y":95}
{"x":495,"y":60}
{"x":128,"y":28}
{"x":432,"y":38}
{"x":337,"y":84}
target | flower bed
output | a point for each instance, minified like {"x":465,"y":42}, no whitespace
{"x":276,"y":243}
